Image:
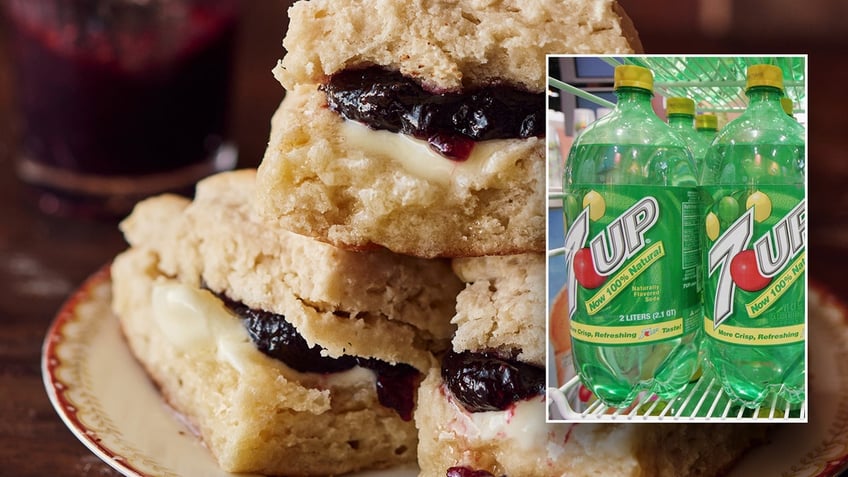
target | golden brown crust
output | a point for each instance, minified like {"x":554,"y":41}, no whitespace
{"x":448,"y":45}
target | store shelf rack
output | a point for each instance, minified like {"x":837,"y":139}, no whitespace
{"x":717,"y":82}
{"x":701,"y":401}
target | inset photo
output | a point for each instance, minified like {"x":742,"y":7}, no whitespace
{"x":677,"y":231}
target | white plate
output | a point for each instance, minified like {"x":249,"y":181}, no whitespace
{"x":106,"y":400}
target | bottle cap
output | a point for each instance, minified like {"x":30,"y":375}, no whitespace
{"x":764,"y":75}
{"x":633,"y":76}
{"x":680,"y":106}
{"x":787,"y":105}
{"x":706,"y":121}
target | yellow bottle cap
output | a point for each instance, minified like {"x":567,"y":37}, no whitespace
{"x":633,"y":76}
{"x":787,"y":105}
{"x":764,"y":75}
{"x":680,"y":106}
{"x":706,"y":121}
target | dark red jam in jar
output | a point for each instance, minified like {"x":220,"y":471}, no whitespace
{"x":120,"y":99}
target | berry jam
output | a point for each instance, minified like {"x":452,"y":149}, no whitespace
{"x":277,"y":338}
{"x":467,"y":472}
{"x":489,"y":382}
{"x":450,"y":122}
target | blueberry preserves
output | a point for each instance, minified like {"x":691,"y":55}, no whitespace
{"x":274,"y":336}
{"x":279,"y":339}
{"x":450,"y":122}
{"x":490,"y":382}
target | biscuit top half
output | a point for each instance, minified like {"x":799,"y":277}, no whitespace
{"x":449,"y":45}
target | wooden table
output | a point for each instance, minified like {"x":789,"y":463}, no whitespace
{"x":42,"y":259}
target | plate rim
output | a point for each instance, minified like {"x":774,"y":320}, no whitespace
{"x":56,"y":388}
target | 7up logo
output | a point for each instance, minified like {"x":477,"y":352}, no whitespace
{"x":754,"y":269}
{"x":619,"y":241}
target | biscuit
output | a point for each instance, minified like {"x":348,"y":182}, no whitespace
{"x":374,"y":304}
{"x":449,"y":45}
{"x":338,"y":181}
{"x":254,"y":413}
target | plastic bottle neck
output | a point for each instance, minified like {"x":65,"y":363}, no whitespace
{"x":764,"y":94}
{"x":634,"y":99}
{"x":681,"y":121}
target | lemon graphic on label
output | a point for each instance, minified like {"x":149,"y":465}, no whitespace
{"x":597,"y":205}
{"x":761,"y":204}
{"x":712,"y":226}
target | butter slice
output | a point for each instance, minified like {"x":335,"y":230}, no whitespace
{"x":415,"y":155}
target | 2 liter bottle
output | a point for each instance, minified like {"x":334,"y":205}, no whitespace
{"x":634,"y":219}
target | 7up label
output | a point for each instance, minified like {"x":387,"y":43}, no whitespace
{"x":755,"y":262}
{"x":632,"y":260}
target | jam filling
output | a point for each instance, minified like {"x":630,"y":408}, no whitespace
{"x":489,"y":381}
{"x":279,"y":339}
{"x":467,"y":472}
{"x":449,"y":122}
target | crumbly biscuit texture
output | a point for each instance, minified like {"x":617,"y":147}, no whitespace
{"x":372,"y":304}
{"x":503,"y":443}
{"x":502,"y":305}
{"x":254,"y":414}
{"x":448,"y":45}
{"x":314,"y":182}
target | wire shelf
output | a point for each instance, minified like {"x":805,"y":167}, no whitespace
{"x":702,"y":401}
{"x":717,"y":82}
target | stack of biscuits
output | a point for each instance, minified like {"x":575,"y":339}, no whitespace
{"x":373,"y":295}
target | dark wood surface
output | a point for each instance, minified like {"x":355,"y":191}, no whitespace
{"x":43,"y":259}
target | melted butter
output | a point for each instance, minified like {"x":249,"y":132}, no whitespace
{"x":521,"y":426}
{"x":415,"y":155}
{"x":195,"y":321}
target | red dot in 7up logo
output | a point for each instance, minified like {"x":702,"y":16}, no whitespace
{"x":584,"y":270}
{"x":745,"y":272}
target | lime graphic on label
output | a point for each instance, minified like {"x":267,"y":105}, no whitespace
{"x":728,"y":209}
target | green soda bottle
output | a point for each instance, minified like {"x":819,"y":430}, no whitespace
{"x":755,"y":252}
{"x":707,"y":126}
{"x":632,"y":256}
{"x":681,"y":116}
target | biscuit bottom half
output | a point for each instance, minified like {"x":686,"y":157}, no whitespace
{"x":516,"y":442}
{"x":253,"y":412}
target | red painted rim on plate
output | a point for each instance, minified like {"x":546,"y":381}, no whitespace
{"x":56,"y":389}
